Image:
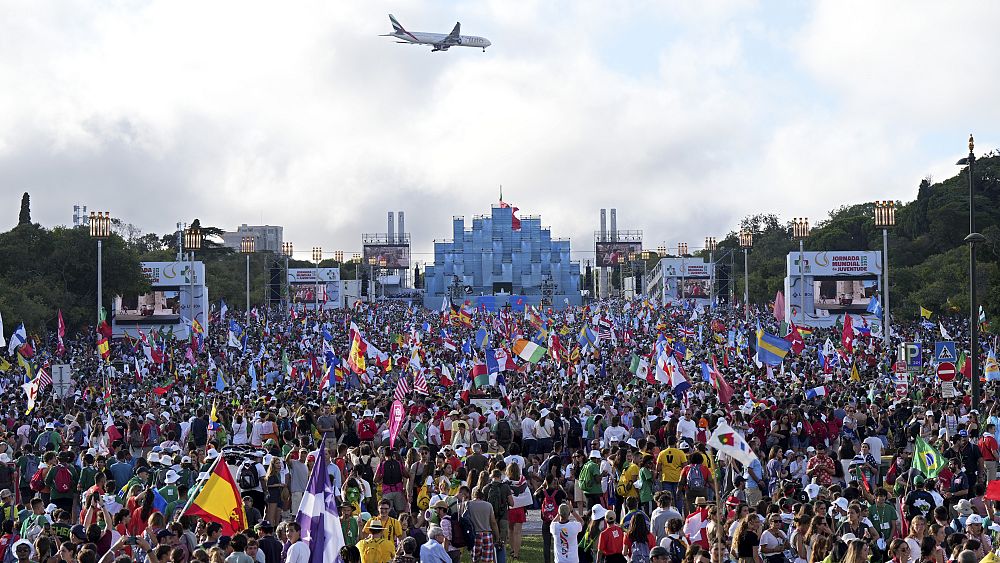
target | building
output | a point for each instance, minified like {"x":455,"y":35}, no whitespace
{"x":267,"y":238}
{"x":494,"y":263}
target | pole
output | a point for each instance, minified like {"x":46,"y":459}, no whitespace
{"x":286,"y":301}
{"x":746,"y":282}
{"x":316,"y":292}
{"x":191,"y":278}
{"x":100,"y":280}
{"x":711,"y":281}
{"x":802,"y":280}
{"x":973,"y":309}
{"x":248,"y":287}
{"x":683,"y":275}
{"x":885,"y":290}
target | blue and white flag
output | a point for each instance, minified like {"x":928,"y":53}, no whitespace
{"x":3,"y":341}
{"x":318,"y":515}
{"x":19,"y":337}
{"x":816,"y":392}
{"x":223,"y":309}
{"x":235,"y":331}
{"x":875,"y":307}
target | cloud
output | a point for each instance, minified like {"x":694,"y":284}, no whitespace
{"x":685,"y":117}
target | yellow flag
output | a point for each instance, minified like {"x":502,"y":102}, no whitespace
{"x":855,"y":376}
{"x":925,"y":313}
{"x":214,"y":417}
{"x":4,"y":364}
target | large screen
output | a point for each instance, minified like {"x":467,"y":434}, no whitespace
{"x":839,"y":295}
{"x":394,"y":256}
{"x":614,"y":253}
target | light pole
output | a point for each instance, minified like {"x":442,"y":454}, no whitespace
{"x":317,"y":256}
{"x":746,"y":242}
{"x":682,"y":250}
{"x":371,"y":279}
{"x":247,"y":247}
{"x":192,"y":241}
{"x":381,"y":265}
{"x":711,"y":245}
{"x":973,"y":239}
{"x":287,"y":251}
{"x":800,"y":230}
{"x":100,"y":229}
{"x":885,"y":217}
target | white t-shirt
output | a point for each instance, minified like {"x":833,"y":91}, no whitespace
{"x":687,"y":428}
{"x":564,"y":538}
{"x":770,"y":541}
{"x":544,"y":429}
{"x":527,"y":428}
{"x":298,"y":552}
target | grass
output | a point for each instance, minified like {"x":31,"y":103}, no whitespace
{"x":531,"y":549}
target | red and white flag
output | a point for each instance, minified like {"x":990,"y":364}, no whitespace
{"x":60,"y":347}
{"x":402,"y":388}
{"x":420,"y":382}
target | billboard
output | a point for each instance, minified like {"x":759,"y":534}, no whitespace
{"x":613,"y":253}
{"x":686,"y":278}
{"x":836,"y":283}
{"x":178,"y":293}
{"x":305,"y":283}
{"x":393,"y":256}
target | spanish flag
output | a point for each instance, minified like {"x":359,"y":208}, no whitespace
{"x":104,"y":348}
{"x":219,"y":500}
{"x":356,"y":358}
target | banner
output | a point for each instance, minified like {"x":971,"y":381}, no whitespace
{"x":396,"y":415}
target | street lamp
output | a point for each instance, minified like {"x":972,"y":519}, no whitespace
{"x":247,"y":247}
{"x":317,"y":256}
{"x":746,"y":242}
{"x":973,"y":239}
{"x":372,"y":261}
{"x":885,"y":217}
{"x":711,"y":245}
{"x":682,"y":250}
{"x":800,"y":230}
{"x":287,"y":250}
{"x":100,"y":229}
{"x":192,"y":242}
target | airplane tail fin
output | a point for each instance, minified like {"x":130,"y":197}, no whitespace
{"x":396,"y":25}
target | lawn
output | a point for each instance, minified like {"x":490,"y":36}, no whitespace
{"x":531,"y":549}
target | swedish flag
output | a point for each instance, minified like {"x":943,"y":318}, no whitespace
{"x":771,"y":350}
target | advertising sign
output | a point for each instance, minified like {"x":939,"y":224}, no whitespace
{"x":305,"y":283}
{"x":172,"y":273}
{"x":822,"y":287}
{"x":613,"y":253}
{"x":392,"y":256}
{"x":686,"y":278}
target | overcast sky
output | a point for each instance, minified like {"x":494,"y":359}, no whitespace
{"x":685,"y":116}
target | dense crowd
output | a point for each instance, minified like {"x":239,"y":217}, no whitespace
{"x":606,"y":462}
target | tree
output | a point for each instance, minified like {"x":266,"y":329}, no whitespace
{"x":24,"y":217}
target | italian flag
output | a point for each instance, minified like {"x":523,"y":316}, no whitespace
{"x":529,"y":351}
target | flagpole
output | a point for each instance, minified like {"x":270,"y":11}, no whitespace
{"x":198,"y":486}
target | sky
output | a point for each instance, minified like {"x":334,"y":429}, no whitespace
{"x":685,"y":116}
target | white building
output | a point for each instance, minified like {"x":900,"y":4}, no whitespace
{"x":267,"y":238}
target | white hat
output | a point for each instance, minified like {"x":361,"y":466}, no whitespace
{"x":150,"y":416}
{"x":632,"y":443}
{"x":545,"y":412}
{"x":461,"y":451}
{"x":23,"y":542}
{"x":497,"y":407}
{"x":50,"y":426}
{"x":594,"y":454}
{"x":811,"y":449}
{"x":598,"y":512}
{"x":974,"y":519}
{"x":929,"y":413}
{"x":186,"y":459}
{"x":848,"y":537}
{"x":841,"y":503}
{"x":171,"y":476}
{"x":5,"y":458}
{"x":367,"y":413}
{"x":212,"y":454}
{"x":52,"y":508}
{"x":153,"y":457}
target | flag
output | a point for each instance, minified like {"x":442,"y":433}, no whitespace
{"x":983,"y":326}
{"x":3,"y":340}
{"x":31,"y":389}
{"x":640,"y":368}
{"x":726,"y":440}
{"x":587,"y":337}
{"x":875,"y":307}
{"x":964,"y":366}
{"x":816,"y":392}
{"x":944,"y":333}
{"x":779,"y":307}
{"x":794,"y":337}
{"x":402,"y":388}
{"x":235,"y":332}
{"x":515,"y":223}
{"x":674,"y":374}
{"x":718,"y":382}
{"x":445,"y":377}
{"x":771,"y":350}
{"x":19,"y":337}
{"x":925,"y":313}
{"x":103,"y":348}
{"x":420,"y":383}
{"x":927,"y":460}
{"x":990,"y":368}
{"x":356,"y":358}
{"x":847,"y":335}
{"x":60,"y":333}
{"x":529,"y":351}
{"x":855,"y":376}
{"x":482,"y":338}
{"x":223,"y":309}
{"x":219,"y":499}
{"x":498,"y":360}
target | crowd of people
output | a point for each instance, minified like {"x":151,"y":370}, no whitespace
{"x":606,"y":461}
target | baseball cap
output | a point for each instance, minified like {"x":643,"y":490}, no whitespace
{"x":658,"y":551}
{"x":974,"y":519}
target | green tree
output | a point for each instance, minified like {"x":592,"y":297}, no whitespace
{"x":24,"y":217}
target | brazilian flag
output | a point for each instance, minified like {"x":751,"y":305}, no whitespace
{"x":927,"y":460}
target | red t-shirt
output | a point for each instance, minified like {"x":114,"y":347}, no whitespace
{"x":611,"y":540}
{"x":988,"y":447}
{"x":650,"y":541}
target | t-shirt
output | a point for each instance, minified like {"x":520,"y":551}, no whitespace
{"x":882,"y":518}
{"x":391,"y":528}
{"x":376,"y":550}
{"x":564,"y":538}
{"x":611,"y":540}
{"x":671,"y":461}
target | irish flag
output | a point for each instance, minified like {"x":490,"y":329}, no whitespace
{"x":529,"y":351}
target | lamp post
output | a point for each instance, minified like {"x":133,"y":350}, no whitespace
{"x":885,"y":217}
{"x":247,"y":247}
{"x":973,"y":239}
{"x":711,"y":245}
{"x":371,"y":278}
{"x":100,"y":229}
{"x":317,"y":256}
{"x":287,"y":250}
{"x":682,"y":250}
{"x":192,"y":241}
{"x":746,"y":242}
{"x":800,"y":230}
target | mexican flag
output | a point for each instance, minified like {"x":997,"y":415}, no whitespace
{"x":927,"y":460}
{"x":640,"y":367}
{"x":529,"y":351}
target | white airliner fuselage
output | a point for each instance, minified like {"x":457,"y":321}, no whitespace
{"x":438,"y":41}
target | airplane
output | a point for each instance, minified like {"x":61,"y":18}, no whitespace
{"x":438,"y":41}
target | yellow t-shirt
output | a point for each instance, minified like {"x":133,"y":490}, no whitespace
{"x":671,"y":461}
{"x":392,"y":529}
{"x":629,"y":476}
{"x":376,"y":550}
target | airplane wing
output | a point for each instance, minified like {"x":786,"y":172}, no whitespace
{"x":453,"y":38}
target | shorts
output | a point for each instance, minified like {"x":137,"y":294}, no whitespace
{"x":482,"y":549}
{"x":517,"y":515}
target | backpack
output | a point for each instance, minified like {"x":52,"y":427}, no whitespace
{"x":549,"y":507}
{"x":505,"y":433}
{"x":30,"y":467}
{"x":676,"y":551}
{"x":695,"y":479}
{"x":43,"y":439}
{"x":63,"y":480}
{"x":463,"y":532}
{"x":37,"y":480}
{"x":370,"y":549}
{"x":640,"y":552}
{"x":391,"y":472}
{"x":365,"y":470}
{"x":623,"y":487}
{"x":249,"y":478}
{"x":496,"y":495}
{"x":575,"y":429}
{"x":6,"y":476}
